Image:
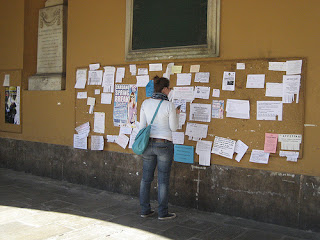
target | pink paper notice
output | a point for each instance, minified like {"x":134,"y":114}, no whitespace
{"x":270,"y":142}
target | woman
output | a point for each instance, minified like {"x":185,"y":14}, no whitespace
{"x":160,"y":149}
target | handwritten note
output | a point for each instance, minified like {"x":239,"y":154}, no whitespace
{"x":202,"y":77}
{"x":223,"y":147}
{"x":259,"y":156}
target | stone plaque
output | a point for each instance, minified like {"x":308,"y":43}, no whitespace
{"x":50,"y":40}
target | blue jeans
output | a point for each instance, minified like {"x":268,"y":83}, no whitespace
{"x":161,"y":154}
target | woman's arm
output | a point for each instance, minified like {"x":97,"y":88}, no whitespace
{"x":143,"y":119}
{"x":173,"y":118}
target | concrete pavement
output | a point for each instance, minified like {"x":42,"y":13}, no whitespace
{"x":33,"y":207}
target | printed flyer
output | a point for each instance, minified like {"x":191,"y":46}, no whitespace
{"x":125,"y":105}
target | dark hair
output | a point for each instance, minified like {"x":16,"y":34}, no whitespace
{"x":160,"y":83}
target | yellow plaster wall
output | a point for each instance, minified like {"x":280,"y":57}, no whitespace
{"x":96,"y":33}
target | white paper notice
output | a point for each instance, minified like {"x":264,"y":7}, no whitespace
{"x":223,"y":147}
{"x":274,"y":89}
{"x":241,"y":66}
{"x":97,"y":91}
{"x":122,"y":141}
{"x":120,"y":74}
{"x":182,"y":119}
{"x":106,"y":98}
{"x":95,"y":77}
{"x":108,"y":79}
{"x":169,"y":69}
{"x":97,"y":143}
{"x":133,"y":135}
{"x":291,"y":86}
{"x":186,"y":93}
{"x":294,"y":67}
{"x":99,"y":122}
{"x":259,"y":156}
{"x":216,"y":93}
{"x":133,"y":69}
{"x":155,"y":67}
{"x":143,"y":71}
{"x":291,"y":156}
{"x":83,"y":129}
{"x":290,"y":141}
{"x":125,"y":130}
{"x":182,"y":103}
{"x":94,"y":66}
{"x":183,"y":79}
{"x":194,"y":68}
{"x":269,"y":110}
{"x":91,"y":101}
{"x":81,"y":95}
{"x":196,"y":131}
{"x":238,"y":108}
{"x":80,"y":141}
{"x":202,"y":92}
{"x":203,"y":149}
{"x":81,"y":78}
{"x":91,"y":109}
{"x":200,"y":112}
{"x":178,"y":137}
{"x":142,"y":81}
{"x":240,"y":149}
{"x":229,"y":81}
{"x":277,"y":66}
{"x":112,"y":138}
{"x":255,"y":80}
{"x":6,"y":80}
{"x":202,"y":77}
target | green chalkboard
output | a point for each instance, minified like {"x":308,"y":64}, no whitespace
{"x":169,"y":23}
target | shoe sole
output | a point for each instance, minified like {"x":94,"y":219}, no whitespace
{"x":147,"y":215}
{"x":167,"y":218}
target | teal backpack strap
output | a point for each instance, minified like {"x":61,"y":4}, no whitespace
{"x":156,"y":112}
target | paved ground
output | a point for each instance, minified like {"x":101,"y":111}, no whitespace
{"x":33,"y":208}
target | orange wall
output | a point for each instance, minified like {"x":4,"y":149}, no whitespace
{"x":96,"y":33}
{"x":11,"y":34}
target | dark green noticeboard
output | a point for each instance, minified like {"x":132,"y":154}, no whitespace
{"x":169,"y":23}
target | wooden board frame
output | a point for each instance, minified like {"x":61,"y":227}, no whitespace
{"x":249,"y":131}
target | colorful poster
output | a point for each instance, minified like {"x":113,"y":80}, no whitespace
{"x":217,"y":108}
{"x":12,"y":105}
{"x":125,"y":105}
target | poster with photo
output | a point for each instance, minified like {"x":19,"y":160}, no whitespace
{"x":12,"y":105}
{"x":217,"y":109}
{"x":125,"y":105}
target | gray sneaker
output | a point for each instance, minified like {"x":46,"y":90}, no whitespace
{"x":168,"y":216}
{"x":151,"y":213}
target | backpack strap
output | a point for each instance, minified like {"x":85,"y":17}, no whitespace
{"x":156,"y":112}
